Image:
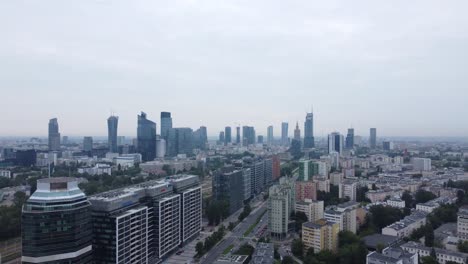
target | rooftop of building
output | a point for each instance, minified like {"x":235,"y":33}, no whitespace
{"x":57,"y":180}
{"x":416,"y":245}
{"x":348,"y":204}
{"x":225,"y":259}
{"x":373,"y":240}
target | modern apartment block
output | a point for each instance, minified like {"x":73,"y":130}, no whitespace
{"x":56,"y":224}
{"x":321,"y":235}
{"x":147,"y":221}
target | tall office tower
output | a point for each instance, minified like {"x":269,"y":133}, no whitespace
{"x":222,"y":137}
{"x":227,"y":135}
{"x":54,"y":135}
{"x":200,"y":138}
{"x":350,"y":138}
{"x":56,"y":223}
{"x":238,"y":137}
{"x":270,"y":135}
{"x":228,"y":185}
{"x":180,"y":141}
{"x":335,"y":142}
{"x":284,"y":134}
{"x":120,"y":140}
{"x":112,"y":124}
{"x":309,"y":141}
{"x":280,"y":205}
{"x":166,"y":124}
{"x":87,"y":143}
{"x":373,"y":138}
{"x":162,"y":214}
{"x":248,"y":135}
{"x":297,"y":132}
{"x":65,"y":140}
{"x":146,"y":137}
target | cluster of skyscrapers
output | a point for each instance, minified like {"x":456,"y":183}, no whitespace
{"x":138,"y":224}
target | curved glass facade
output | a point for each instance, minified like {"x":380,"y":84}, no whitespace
{"x":56,"y":224}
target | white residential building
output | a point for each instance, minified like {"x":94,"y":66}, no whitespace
{"x":421,"y":164}
{"x":442,"y":255}
{"x":406,"y":226}
{"x":98,"y":169}
{"x":348,"y":189}
{"x":396,"y":202}
{"x":312,"y":209}
{"x":5,"y":173}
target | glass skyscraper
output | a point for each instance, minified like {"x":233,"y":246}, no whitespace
{"x":373,"y":138}
{"x":112,"y":123}
{"x":166,"y":124}
{"x":56,"y":223}
{"x":54,"y":135}
{"x":146,"y":138}
{"x":227,"y":135}
{"x":309,"y":131}
{"x":284,"y":133}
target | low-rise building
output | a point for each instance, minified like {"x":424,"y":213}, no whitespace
{"x":98,"y":169}
{"x":5,"y":173}
{"x":442,"y":255}
{"x":263,"y":254}
{"x":396,"y":202}
{"x":392,"y":255}
{"x":407,"y":225}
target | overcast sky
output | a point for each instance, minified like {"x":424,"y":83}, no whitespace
{"x":400,"y":66}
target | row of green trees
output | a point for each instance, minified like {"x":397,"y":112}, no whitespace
{"x":203,"y":247}
{"x":10,"y":217}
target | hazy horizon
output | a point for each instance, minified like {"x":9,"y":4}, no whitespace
{"x":398,"y":66}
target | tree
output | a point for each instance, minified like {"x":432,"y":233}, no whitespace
{"x":380,"y":247}
{"x":408,"y":198}
{"x":19,"y":199}
{"x":463,"y":246}
{"x":428,"y":260}
{"x":199,"y":248}
{"x":423,"y":196}
{"x":429,"y":237}
{"x":287,"y":260}
{"x":297,"y":248}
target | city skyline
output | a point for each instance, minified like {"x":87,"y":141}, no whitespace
{"x":354,"y":62}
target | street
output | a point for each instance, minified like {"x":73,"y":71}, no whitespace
{"x":236,"y":236}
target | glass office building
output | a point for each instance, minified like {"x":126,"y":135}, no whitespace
{"x":56,"y":224}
